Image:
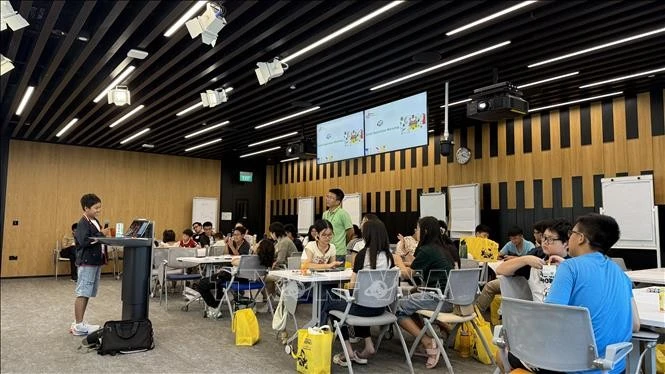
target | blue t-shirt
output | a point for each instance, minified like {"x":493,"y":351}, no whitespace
{"x":510,"y":250}
{"x":595,"y":282}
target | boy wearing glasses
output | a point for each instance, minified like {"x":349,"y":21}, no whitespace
{"x":536,"y":267}
{"x":592,"y":280}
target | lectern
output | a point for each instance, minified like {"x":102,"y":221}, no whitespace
{"x":135,"y":275}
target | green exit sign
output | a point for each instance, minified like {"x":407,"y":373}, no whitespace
{"x":246,"y":176}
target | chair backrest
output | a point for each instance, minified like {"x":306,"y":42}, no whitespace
{"x":250,"y":268}
{"x":469,"y":264}
{"x":462,"y":286}
{"x":515,"y":287}
{"x":376,"y":288}
{"x":158,"y":256}
{"x":176,"y":252}
{"x":216,"y":250}
{"x":620,"y":261}
{"x":565,"y":331}
{"x":293,"y":262}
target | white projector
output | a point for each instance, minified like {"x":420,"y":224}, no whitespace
{"x":119,"y":96}
{"x":11,"y":18}
{"x":211,"y":98}
{"x":266,"y":71}
{"x":207,"y":25}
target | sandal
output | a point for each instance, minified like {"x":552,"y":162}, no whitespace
{"x":432,"y":360}
{"x":340,"y":360}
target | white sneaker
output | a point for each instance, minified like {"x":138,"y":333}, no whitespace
{"x":80,"y":329}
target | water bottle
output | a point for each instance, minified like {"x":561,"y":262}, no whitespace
{"x":463,"y":250}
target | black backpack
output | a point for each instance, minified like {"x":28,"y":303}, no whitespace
{"x":121,"y":337}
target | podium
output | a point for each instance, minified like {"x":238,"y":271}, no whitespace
{"x":136,"y":275}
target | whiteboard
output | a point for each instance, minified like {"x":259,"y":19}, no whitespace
{"x":630,"y":201}
{"x":352,"y":203}
{"x":464,"y":209}
{"x":205,"y":209}
{"x":433,"y":204}
{"x":305,"y":214}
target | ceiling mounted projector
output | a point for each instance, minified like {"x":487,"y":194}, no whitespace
{"x":11,"y":18}
{"x":266,"y":71}
{"x":303,"y":149}
{"x":5,"y":65}
{"x":208,"y":24}
{"x":496,"y":102}
{"x":119,"y":96}
{"x":211,"y":98}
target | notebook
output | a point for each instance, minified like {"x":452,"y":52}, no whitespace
{"x":140,"y":228}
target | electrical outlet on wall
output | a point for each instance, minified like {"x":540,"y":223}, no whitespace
{"x":13,"y":258}
{"x":15,"y":222}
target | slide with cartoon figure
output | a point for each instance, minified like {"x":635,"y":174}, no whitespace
{"x":397,"y":125}
{"x":340,"y":139}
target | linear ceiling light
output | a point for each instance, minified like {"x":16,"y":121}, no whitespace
{"x":490,"y":17}
{"x":115,"y":82}
{"x":548,"y":79}
{"x":203,"y":144}
{"x":273,"y":139}
{"x":438,"y":66}
{"x":186,"y":16}
{"x":24,"y":100}
{"x":189,"y":109}
{"x":456,"y":103}
{"x":119,"y":120}
{"x":290,"y":159}
{"x":209,"y":128}
{"x":575,"y":101}
{"x":259,"y":152}
{"x":622,"y":78}
{"x":343,"y":30}
{"x":64,"y":129}
{"x":597,"y":47}
{"x":287,"y":117}
{"x":135,"y":136}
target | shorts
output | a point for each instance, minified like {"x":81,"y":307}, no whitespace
{"x":420,"y":301}
{"x":88,"y":281}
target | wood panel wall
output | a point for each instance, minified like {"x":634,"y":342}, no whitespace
{"x":46,"y":181}
{"x":549,"y":163}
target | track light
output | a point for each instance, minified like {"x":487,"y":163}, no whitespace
{"x":115,"y":82}
{"x":9,"y":17}
{"x":119,"y":96}
{"x":212,"y":98}
{"x":208,"y":24}
{"x":5,"y":65}
{"x":266,"y":71}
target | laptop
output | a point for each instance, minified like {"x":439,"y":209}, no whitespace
{"x":140,"y":228}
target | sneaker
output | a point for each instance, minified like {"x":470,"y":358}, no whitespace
{"x":81,"y":329}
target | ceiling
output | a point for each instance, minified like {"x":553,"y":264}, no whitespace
{"x":68,"y":73}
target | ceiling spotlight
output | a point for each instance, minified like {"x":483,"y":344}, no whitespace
{"x":208,"y":24}
{"x":5,"y":65}
{"x":212,"y":98}
{"x":119,"y":96}
{"x":266,"y":71}
{"x":11,"y":18}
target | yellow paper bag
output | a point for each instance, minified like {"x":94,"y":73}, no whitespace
{"x":482,"y":249}
{"x":660,"y":358}
{"x":246,"y":327}
{"x":494,"y":310}
{"x":314,"y":350}
{"x":477,"y":348}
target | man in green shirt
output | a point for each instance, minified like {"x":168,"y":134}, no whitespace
{"x":341,"y":222}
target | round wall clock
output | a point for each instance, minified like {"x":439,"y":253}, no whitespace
{"x":463,"y":155}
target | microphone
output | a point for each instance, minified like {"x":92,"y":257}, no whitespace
{"x":106,"y":224}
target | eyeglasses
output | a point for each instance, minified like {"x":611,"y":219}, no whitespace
{"x":550,"y":240}
{"x":328,"y":235}
{"x":571,"y":232}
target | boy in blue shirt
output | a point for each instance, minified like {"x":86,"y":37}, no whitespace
{"x":592,"y":280}
{"x":517,"y":246}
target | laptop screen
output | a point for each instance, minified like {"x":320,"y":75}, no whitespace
{"x":140,"y":228}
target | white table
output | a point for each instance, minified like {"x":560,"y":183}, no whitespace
{"x":653,"y":276}
{"x":209,"y":260}
{"x":316,"y":279}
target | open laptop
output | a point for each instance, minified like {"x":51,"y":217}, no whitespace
{"x":140,"y":228}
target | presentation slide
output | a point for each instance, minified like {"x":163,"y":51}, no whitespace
{"x":340,"y":139}
{"x":397,"y":125}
